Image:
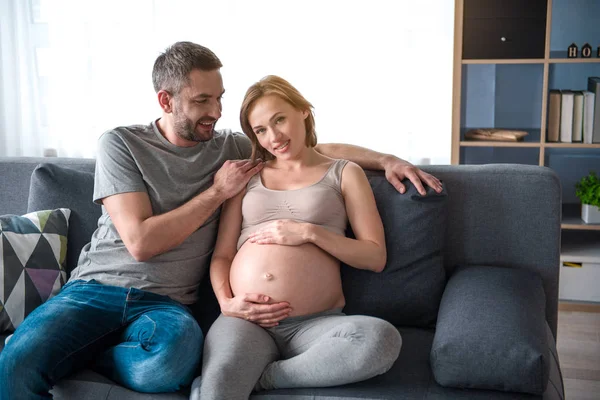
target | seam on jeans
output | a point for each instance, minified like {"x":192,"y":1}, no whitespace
{"x":153,"y":330}
{"x":127,"y":346}
{"x":124,"y":317}
{"x":51,"y":373}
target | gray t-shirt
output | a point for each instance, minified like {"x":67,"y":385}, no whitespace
{"x":139,"y":159}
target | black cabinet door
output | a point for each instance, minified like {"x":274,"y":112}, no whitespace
{"x":505,"y":9}
{"x":489,"y":38}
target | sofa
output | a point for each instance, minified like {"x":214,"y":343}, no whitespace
{"x":471,"y":281}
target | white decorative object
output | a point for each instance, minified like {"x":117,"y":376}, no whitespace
{"x":590,"y":214}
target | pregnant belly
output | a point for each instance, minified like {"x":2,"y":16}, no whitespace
{"x":305,"y":276}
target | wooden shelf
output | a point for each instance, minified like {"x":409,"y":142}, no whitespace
{"x":507,"y":61}
{"x":482,"y":143}
{"x":558,"y":60}
{"x":571,"y":219}
{"x":473,"y":143}
{"x":560,"y":57}
{"x":572,"y":145}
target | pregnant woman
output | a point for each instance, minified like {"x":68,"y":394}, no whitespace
{"x":276,"y":265}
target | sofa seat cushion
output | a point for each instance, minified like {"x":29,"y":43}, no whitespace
{"x":32,"y":262}
{"x":409,"y":378}
{"x":408,"y":291}
{"x":53,"y":186}
{"x":491,"y":331}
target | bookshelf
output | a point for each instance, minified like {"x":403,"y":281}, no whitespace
{"x":508,"y":55}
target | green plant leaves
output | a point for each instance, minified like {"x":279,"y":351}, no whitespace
{"x":588,"y":189}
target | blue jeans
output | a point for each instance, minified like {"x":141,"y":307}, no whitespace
{"x":144,"y":341}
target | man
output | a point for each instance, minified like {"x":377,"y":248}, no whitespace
{"x":161,"y":185}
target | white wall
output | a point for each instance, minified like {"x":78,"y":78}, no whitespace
{"x":378,"y":72}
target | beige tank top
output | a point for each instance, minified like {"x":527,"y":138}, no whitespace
{"x":321,"y":203}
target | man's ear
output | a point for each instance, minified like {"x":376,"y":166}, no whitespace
{"x":165,"y":101}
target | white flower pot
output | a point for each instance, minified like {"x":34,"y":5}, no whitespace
{"x":590,"y":214}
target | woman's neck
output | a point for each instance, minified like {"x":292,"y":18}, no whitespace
{"x":307,"y":158}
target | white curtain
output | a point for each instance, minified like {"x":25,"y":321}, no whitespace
{"x":21,"y":125}
{"x":378,"y":72}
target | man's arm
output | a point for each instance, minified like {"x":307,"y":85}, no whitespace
{"x":146,"y":235}
{"x":395,"y":168}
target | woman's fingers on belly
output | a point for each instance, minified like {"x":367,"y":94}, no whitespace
{"x":272,"y":318}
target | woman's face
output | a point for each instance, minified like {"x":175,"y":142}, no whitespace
{"x":278,"y":126}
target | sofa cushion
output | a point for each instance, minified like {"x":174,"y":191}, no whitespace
{"x":491,"y":331}
{"x":32,"y":262}
{"x":53,"y":186}
{"x":408,"y":291}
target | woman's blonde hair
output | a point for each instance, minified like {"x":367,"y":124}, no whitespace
{"x":274,"y":85}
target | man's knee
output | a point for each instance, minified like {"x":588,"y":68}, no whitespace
{"x":171,"y":362}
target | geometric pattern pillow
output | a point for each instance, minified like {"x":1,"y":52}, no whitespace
{"x":33,"y":249}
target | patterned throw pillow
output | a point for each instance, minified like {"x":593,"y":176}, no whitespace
{"x":32,"y":262}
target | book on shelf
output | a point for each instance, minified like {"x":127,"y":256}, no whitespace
{"x":577,"y":116}
{"x":566,"y":115}
{"x":574,"y":115}
{"x":588,"y":116}
{"x":554,"y":116}
{"x":594,"y":87}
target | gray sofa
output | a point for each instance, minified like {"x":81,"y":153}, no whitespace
{"x":486,"y":228}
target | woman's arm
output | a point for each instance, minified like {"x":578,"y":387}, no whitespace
{"x":252,"y":307}
{"x":367,"y":251}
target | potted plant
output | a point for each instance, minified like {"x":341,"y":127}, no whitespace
{"x":588,"y":191}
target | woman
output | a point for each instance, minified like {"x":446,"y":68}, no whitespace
{"x":282,"y":240}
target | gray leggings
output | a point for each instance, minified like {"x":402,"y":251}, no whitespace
{"x":319,"y":350}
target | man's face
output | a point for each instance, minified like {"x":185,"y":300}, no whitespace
{"x":197,"y":107}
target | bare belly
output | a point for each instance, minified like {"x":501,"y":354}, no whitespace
{"x":305,"y":276}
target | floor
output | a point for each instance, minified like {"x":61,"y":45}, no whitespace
{"x":579,"y":353}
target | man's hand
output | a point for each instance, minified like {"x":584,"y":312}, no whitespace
{"x":256,"y":308}
{"x":282,"y":231}
{"x":233,"y":176}
{"x":396,"y":170}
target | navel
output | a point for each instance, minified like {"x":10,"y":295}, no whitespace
{"x":268,"y":276}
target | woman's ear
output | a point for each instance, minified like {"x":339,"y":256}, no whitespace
{"x":164,"y":100}
{"x":305,"y":114}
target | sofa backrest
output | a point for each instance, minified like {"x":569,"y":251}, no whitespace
{"x":498,"y":214}
{"x":15,"y":174}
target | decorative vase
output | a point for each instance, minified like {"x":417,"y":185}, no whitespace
{"x":590,"y":214}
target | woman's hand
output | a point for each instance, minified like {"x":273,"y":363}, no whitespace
{"x":256,"y":308}
{"x":283,"y":231}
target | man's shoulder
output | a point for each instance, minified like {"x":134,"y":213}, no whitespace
{"x":229,"y":134}
{"x":235,"y":140}
{"x":129,"y":130}
{"x":125,"y":134}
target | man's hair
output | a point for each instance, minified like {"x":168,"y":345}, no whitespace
{"x":171,"y":68}
{"x":274,"y":85}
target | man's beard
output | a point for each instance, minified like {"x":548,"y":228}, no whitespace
{"x":186,"y":128}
